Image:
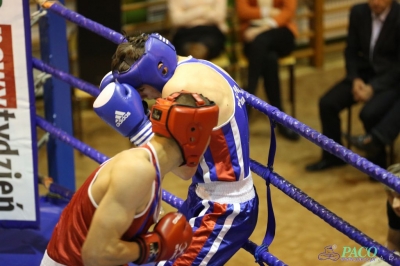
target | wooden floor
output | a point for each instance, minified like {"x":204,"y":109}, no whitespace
{"x":300,"y":235}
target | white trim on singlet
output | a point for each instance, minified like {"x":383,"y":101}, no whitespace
{"x":233,"y":95}
{"x":91,"y":183}
{"x":184,"y":60}
{"x":152,"y":187}
{"x":238,"y":145}
{"x":47,"y":261}
{"x":155,"y":156}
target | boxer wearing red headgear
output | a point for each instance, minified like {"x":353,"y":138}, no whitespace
{"x":189,"y":126}
{"x":107,"y":220}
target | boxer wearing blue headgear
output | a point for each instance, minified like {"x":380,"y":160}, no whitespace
{"x":223,"y":178}
{"x":154,"y":67}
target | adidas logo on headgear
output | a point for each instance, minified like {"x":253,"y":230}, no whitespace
{"x":120,"y":117}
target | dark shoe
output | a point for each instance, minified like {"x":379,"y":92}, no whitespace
{"x":324,"y":164}
{"x":287,"y":133}
{"x":378,"y":158}
{"x":373,"y":180}
{"x":367,"y":143}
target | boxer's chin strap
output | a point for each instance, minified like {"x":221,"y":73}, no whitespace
{"x":270,"y":232}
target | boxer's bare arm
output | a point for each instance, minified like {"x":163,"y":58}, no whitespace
{"x":128,"y":191}
{"x":202,"y":79}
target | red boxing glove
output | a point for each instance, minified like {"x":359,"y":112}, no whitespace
{"x":170,"y":238}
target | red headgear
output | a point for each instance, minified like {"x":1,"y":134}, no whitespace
{"x":189,"y":125}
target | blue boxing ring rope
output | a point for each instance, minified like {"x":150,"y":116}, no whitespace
{"x":266,"y":173}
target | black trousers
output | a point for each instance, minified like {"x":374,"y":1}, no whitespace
{"x":388,"y":127}
{"x":263,"y":54}
{"x":340,"y":97}
{"x":210,"y":36}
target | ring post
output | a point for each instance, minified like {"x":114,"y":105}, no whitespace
{"x":57,"y":98}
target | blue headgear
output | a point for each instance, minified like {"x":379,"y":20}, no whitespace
{"x":146,"y":70}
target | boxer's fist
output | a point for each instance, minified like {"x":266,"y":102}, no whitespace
{"x":107,"y":79}
{"x":120,"y":106}
{"x":170,"y":238}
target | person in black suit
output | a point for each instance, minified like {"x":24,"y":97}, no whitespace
{"x":383,"y":133}
{"x":372,"y":60}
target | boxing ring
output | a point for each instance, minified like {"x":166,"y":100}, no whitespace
{"x":64,"y":188}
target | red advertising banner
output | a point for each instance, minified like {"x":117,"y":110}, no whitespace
{"x":7,"y":78}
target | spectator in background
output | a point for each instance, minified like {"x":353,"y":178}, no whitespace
{"x":383,"y":133}
{"x":268,"y":31}
{"x":372,"y":77}
{"x":393,"y":214}
{"x":199,"y":27}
